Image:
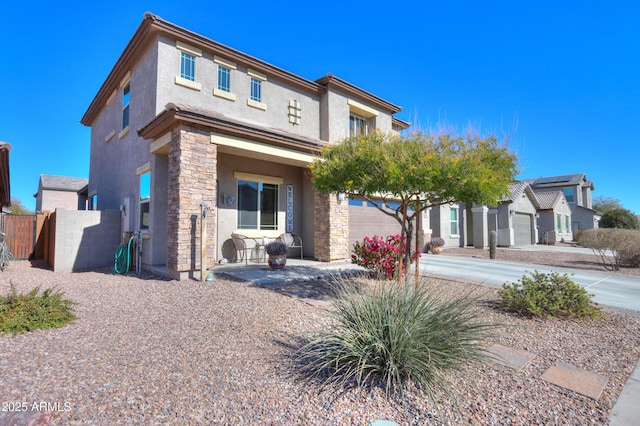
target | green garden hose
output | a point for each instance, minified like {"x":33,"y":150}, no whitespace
{"x":123,"y":258}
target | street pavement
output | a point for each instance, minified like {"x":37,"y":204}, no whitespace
{"x":609,"y":289}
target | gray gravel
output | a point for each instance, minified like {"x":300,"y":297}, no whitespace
{"x":165,"y":352}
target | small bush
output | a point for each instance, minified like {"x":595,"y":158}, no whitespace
{"x":547,"y":295}
{"x":395,"y":335}
{"x":20,"y":313}
{"x":615,"y":247}
{"x":380,"y":255}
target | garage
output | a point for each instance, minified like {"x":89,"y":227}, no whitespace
{"x":522,"y":229}
{"x":365,"y":220}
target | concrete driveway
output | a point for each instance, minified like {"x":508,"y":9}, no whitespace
{"x":609,"y":289}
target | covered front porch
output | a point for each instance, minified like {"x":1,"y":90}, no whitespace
{"x":212,"y":177}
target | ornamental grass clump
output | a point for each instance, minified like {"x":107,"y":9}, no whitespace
{"x":396,"y":335}
{"x":20,"y":313}
{"x":547,"y":295}
{"x":380,"y":255}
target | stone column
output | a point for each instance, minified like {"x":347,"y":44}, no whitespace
{"x":480,"y":226}
{"x":192,"y":182}
{"x":330,"y":227}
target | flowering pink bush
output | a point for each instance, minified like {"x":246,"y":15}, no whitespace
{"x":380,"y":255}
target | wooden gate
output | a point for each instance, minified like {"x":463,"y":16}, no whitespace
{"x":20,"y":234}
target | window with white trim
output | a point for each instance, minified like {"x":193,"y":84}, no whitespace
{"x":454,"y":217}
{"x":358,"y":125}
{"x":559,"y":222}
{"x":187,"y":66}
{"x":224,"y":78}
{"x":256,"y":90}
{"x":258,"y":202}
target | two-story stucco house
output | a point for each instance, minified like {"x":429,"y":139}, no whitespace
{"x":183,"y":122}
{"x":577,"y":190}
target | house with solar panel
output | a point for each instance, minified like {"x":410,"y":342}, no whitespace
{"x":577,"y":190}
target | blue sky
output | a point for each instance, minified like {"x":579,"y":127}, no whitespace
{"x":561,"y":78}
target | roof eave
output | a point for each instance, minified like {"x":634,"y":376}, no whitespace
{"x":332,"y":80}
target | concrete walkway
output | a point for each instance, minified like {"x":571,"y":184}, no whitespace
{"x":625,"y":412}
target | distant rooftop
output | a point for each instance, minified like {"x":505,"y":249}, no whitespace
{"x":63,"y":183}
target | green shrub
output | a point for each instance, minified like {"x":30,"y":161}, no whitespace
{"x":20,"y":313}
{"x":615,"y":247}
{"x":394,"y":335}
{"x":547,"y":295}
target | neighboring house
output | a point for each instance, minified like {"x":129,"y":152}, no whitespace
{"x":5,"y":185}
{"x":577,"y":190}
{"x":514,"y":221}
{"x":61,"y":192}
{"x":554,"y":218}
{"x":183,"y":123}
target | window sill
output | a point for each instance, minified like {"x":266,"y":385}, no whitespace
{"x":123,"y":132}
{"x":110,"y":136}
{"x":188,"y":83}
{"x":257,"y":105}
{"x":222,"y":94}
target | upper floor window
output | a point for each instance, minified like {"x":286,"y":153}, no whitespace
{"x":223,"y":87}
{"x":126,"y":94}
{"x":568,"y":194}
{"x":358,"y":125}
{"x":187,"y":76}
{"x":256,"y":90}
{"x":362,"y":118}
{"x":188,"y":66}
{"x":224,"y":78}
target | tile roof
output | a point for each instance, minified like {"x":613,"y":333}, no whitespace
{"x":548,"y":200}
{"x":64,"y":183}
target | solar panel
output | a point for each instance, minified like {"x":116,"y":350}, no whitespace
{"x":554,"y":179}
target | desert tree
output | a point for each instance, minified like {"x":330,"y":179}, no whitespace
{"x":411,"y":173}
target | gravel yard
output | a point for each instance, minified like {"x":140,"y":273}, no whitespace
{"x":165,"y":352}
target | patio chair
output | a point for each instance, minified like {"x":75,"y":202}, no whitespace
{"x":292,"y":241}
{"x":244,"y":246}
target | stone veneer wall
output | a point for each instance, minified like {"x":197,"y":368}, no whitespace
{"x":192,"y":181}
{"x":330,"y":228}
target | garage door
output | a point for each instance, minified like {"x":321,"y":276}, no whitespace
{"x":522,"y":229}
{"x":365,"y":220}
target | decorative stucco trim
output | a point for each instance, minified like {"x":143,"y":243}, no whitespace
{"x":143,"y":169}
{"x":239,"y":144}
{"x":125,"y":79}
{"x":225,"y":95}
{"x":257,"y":75}
{"x":188,"y":83}
{"x":258,"y":105}
{"x":160,"y":142}
{"x":252,"y":177}
{"x":361,"y":109}
{"x":123,"y":132}
{"x":194,"y":51}
{"x":111,"y":97}
{"x":224,"y":62}
{"x":110,"y":136}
